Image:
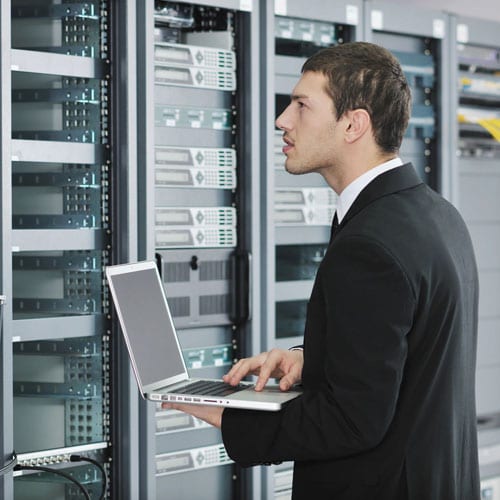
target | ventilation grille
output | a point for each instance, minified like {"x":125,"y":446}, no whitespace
{"x":215,"y":270}
{"x":179,"y":306}
{"x":176,"y":272}
{"x":214,"y":304}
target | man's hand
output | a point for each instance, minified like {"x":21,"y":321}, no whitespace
{"x":210,"y":414}
{"x":278,"y":363}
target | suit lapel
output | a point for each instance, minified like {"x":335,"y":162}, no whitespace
{"x":392,"y":181}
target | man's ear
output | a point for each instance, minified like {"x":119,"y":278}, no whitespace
{"x":358,"y":123}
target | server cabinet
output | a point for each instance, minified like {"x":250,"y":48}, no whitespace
{"x":297,"y":210}
{"x":56,"y":164}
{"x":476,"y":140}
{"x":418,"y":38}
{"x":198,"y":217}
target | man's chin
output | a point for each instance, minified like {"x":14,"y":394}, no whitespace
{"x":295,"y":170}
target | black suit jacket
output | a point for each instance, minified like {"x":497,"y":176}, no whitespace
{"x":388,"y":410}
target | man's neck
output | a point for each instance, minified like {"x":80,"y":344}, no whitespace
{"x":338,"y":178}
{"x":349,"y":194}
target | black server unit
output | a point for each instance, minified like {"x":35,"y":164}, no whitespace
{"x":298,"y":209}
{"x":60,"y":218}
{"x":195,"y":213}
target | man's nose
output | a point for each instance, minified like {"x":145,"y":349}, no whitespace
{"x":282,"y":122}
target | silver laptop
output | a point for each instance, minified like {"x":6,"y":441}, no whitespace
{"x":155,"y":351}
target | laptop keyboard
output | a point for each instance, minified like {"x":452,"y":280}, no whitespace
{"x":210,"y":388}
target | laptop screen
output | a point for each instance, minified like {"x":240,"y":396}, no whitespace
{"x":139,"y":300}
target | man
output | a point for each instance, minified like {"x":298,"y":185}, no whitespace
{"x":388,"y":361}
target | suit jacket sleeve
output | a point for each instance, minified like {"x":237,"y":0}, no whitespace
{"x":359,"y":314}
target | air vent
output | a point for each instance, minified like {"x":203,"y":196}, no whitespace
{"x":214,"y":304}
{"x":179,"y":306}
{"x":215,"y":270}
{"x":176,"y":272}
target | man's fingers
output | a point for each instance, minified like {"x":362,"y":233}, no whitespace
{"x":285,"y":384}
{"x":276,"y":363}
{"x":270,"y":368}
{"x":262,"y":380}
{"x":237,"y":372}
{"x":293,"y":369}
{"x":244,"y":367}
{"x":289,"y":380}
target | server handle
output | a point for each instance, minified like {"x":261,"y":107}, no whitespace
{"x":241,"y":310}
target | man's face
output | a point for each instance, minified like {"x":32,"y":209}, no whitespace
{"x":309,"y":125}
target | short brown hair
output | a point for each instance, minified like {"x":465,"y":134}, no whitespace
{"x":367,"y":76}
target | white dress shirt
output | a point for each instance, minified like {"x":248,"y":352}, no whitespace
{"x":350,"y":193}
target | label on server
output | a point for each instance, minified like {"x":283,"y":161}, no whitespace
{"x":305,"y":196}
{"x":190,"y":55}
{"x":211,"y":237}
{"x":199,"y":216}
{"x":195,"y":77}
{"x":310,"y":216}
{"x":196,"y":458}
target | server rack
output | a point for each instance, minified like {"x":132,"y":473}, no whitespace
{"x":199,"y":216}
{"x":418,"y":38}
{"x":56,"y":163}
{"x":297,"y":209}
{"x":475,"y":59}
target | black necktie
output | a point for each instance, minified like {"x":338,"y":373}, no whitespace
{"x":335,"y":225}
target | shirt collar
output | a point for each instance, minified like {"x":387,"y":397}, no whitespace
{"x":350,"y":193}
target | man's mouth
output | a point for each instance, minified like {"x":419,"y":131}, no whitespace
{"x":288,"y":145}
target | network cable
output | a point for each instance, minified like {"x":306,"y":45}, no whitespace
{"x":8,"y":466}
{"x":58,"y":472}
{"x":80,"y":458}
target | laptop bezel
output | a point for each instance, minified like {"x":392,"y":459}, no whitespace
{"x":129,"y":268}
